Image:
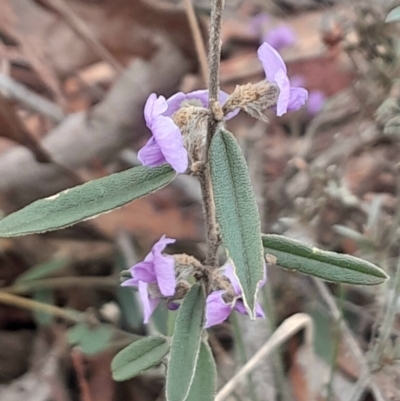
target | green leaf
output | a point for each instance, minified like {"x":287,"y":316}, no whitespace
{"x":85,"y":201}
{"x":394,"y":15}
{"x":330,"y":266}
{"x":42,"y":270}
{"x":204,"y":381}
{"x":186,"y":344}
{"x":45,"y":296}
{"x":130,"y":308}
{"x":237,"y":214}
{"x":91,"y":340}
{"x":138,"y":357}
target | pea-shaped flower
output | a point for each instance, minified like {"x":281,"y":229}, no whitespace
{"x":290,"y":98}
{"x":166,"y":144}
{"x":217,"y":310}
{"x":154,"y":277}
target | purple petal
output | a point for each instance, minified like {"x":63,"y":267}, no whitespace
{"x":144,"y":271}
{"x":284,"y":92}
{"x":223,"y":97}
{"x":169,"y":139}
{"x":280,"y":37}
{"x":160,"y":245}
{"x":271,"y":61}
{"x":174,"y":103}
{"x":129,"y":283}
{"x":151,"y":155}
{"x":239,"y":307}
{"x":298,"y":97}
{"x":157,"y":268}
{"x":229,"y":272}
{"x":297,"y":80}
{"x":154,"y":107}
{"x":148,"y":109}
{"x":173,"y":305}
{"x":149,"y":304}
{"x":259,"y":311}
{"x":200,"y":95}
{"x":164,"y":266}
{"x":316,"y":100}
{"x":217,"y":310}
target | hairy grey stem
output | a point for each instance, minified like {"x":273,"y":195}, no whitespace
{"x":215,"y":117}
{"x":215,"y":49}
{"x":212,"y":235}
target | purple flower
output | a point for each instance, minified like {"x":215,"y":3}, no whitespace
{"x":280,"y":37}
{"x":217,"y":310}
{"x":315,"y":102}
{"x":166,"y":143}
{"x":155,"y":275}
{"x":289,"y":99}
{"x":196,"y":98}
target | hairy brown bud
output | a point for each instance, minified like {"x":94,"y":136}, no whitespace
{"x":254,"y":99}
{"x":192,"y":121}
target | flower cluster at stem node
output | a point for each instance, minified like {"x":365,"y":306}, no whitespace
{"x":179,"y":124}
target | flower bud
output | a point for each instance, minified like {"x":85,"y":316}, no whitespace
{"x":192,"y":121}
{"x":254,"y":99}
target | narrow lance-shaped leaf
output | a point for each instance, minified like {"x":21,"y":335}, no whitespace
{"x":204,"y":381}
{"x":85,"y":201}
{"x":185,"y":346}
{"x":138,"y":357}
{"x":294,"y":255}
{"x":237,"y":214}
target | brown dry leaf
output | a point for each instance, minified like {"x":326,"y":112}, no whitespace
{"x":11,"y":128}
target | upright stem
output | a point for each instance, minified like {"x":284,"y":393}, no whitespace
{"x":215,"y":49}
{"x":215,"y":116}
{"x":212,"y":234}
{"x":214,"y":56}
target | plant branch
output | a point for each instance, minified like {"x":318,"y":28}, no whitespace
{"x":215,"y":117}
{"x":212,"y":232}
{"x":286,"y":330}
{"x":197,"y":38}
{"x":20,"y":302}
{"x":214,"y":50}
{"x":61,"y":282}
{"x":214,"y":55}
